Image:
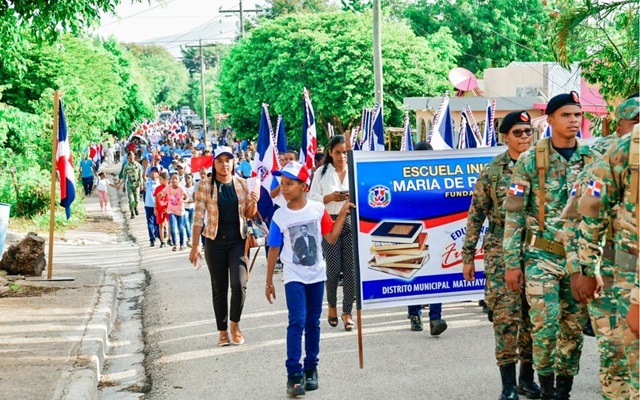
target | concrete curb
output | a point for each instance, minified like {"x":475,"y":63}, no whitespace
{"x":80,"y":378}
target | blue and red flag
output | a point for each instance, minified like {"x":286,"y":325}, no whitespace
{"x":441,"y":135}
{"x":264,"y":163}
{"x":407,"y":139}
{"x":376,"y":138}
{"x":281,"y":137}
{"x":64,"y":164}
{"x":309,"y":145}
{"x":467,"y":121}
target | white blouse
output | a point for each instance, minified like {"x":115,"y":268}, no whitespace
{"x":328,"y":183}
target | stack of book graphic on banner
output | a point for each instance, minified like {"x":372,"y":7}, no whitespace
{"x":399,"y":248}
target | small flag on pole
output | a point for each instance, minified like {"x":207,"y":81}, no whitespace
{"x":376,"y":138}
{"x":489,"y":136}
{"x":407,"y":139}
{"x":309,"y":145}
{"x":64,"y":164}
{"x":441,"y":135}
{"x":265,"y":162}
{"x":281,"y":136}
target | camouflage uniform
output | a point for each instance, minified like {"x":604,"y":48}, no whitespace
{"x":557,"y":317}
{"x":511,"y":324}
{"x":610,"y":186}
{"x":602,"y":145}
{"x":132,"y":174}
{"x":603,"y":310}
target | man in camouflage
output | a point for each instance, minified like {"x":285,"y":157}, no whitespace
{"x":603,"y":309}
{"x":538,"y":192}
{"x":132,"y":175}
{"x":511,"y":324}
{"x":613,"y":190}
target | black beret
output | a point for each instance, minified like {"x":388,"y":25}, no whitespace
{"x":561,"y":100}
{"x":514,"y":118}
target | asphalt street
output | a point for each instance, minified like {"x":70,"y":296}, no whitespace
{"x":183,"y":362}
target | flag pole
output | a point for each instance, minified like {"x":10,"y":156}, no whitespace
{"x":52,"y":203}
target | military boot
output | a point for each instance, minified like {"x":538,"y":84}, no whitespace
{"x":527,"y":386}
{"x":547,"y":386}
{"x":509,"y":388}
{"x":563,"y":387}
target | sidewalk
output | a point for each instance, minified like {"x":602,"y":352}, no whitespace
{"x":53,"y":343}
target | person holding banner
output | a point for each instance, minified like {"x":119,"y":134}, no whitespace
{"x":296,"y":228}
{"x":539,"y":189}
{"x":330,"y":186}
{"x":510,"y":310}
{"x":226,"y":202}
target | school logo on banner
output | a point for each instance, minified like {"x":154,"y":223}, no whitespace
{"x":379,"y":196}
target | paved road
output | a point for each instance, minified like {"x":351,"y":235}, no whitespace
{"x":183,"y":361}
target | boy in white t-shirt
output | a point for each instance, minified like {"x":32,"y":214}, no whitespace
{"x":298,"y":228}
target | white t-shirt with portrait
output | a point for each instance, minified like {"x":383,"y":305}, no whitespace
{"x":299,"y":233}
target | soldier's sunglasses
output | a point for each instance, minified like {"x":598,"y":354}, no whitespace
{"x":518,"y":132}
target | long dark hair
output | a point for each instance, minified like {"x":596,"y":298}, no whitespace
{"x":333,"y":142}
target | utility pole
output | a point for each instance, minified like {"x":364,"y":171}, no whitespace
{"x":204,"y":101}
{"x":377,"y":52}
{"x":241,"y":11}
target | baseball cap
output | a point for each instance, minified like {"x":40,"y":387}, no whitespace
{"x":514,"y":118}
{"x":152,"y":169}
{"x":561,"y":100}
{"x":223,"y":150}
{"x":294,"y":170}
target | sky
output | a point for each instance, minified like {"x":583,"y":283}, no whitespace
{"x":172,"y":23}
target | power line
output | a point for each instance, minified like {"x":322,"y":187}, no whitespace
{"x":138,"y":13}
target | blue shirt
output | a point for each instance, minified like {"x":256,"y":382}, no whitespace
{"x":150,"y":187}
{"x":245,"y":169}
{"x":86,"y":168}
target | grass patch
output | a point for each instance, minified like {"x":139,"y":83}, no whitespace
{"x":40,"y":223}
{"x":16,"y":290}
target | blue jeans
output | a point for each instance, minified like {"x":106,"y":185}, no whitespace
{"x":187,"y":221}
{"x":175,"y":222}
{"x":435,"y":311}
{"x":152,"y":224}
{"x":304,"y":302}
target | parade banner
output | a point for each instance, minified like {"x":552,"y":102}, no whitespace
{"x":409,"y":225}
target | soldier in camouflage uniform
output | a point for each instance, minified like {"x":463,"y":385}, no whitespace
{"x":613,"y":189}
{"x":604,"y":308}
{"x":539,"y":190}
{"x":511,"y":324}
{"x":132,"y":175}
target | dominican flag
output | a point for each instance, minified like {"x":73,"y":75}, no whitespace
{"x":574,"y":190}
{"x":355,"y":143}
{"x":407,"y":139}
{"x":376,"y":134}
{"x":470,"y":140}
{"x":489,"y":136}
{"x":64,"y":164}
{"x":462,"y":136}
{"x":309,"y":145}
{"x":516,"y":190}
{"x":366,"y":125}
{"x":595,"y":188}
{"x":441,"y":135}
{"x":265,"y":162}
{"x":547,"y":132}
{"x":281,"y":137}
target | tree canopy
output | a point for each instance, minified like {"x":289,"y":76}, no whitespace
{"x":491,"y":34}
{"x":331,"y":55}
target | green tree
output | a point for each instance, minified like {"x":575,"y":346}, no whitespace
{"x":603,"y":37}
{"x":492,"y":33}
{"x":277,"y":8}
{"x":331,"y":55}
{"x":168,"y":78}
{"x":43,"y":21}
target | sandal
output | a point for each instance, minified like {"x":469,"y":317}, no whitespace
{"x":224,"y":340}
{"x":237,"y":337}
{"x":348,"y":322}
{"x":174,"y":248}
{"x":333,"y":321}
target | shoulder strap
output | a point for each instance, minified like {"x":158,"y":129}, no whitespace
{"x":634,"y":162}
{"x":495,"y":173}
{"x":542,"y":164}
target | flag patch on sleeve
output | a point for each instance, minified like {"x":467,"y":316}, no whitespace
{"x":574,"y":190}
{"x":595,"y":188}
{"x":516,"y":190}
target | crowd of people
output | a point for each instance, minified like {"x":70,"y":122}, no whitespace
{"x":549,"y":261}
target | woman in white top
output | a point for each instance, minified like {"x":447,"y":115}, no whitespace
{"x":331,"y":187}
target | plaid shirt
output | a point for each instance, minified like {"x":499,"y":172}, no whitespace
{"x":207,"y":205}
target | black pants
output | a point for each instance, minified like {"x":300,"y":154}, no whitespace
{"x":225,"y":260}
{"x":87,"y":184}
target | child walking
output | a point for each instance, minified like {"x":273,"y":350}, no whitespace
{"x":175,"y":196}
{"x":160,"y":207}
{"x":298,"y":228}
{"x":103,"y":194}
